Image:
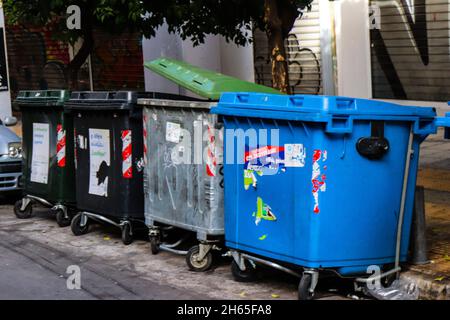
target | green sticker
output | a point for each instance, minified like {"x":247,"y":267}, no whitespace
{"x":264,"y":237}
{"x":250,"y":178}
{"x":263,"y":212}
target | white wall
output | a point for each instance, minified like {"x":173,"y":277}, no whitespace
{"x":215,"y":54}
{"x":166,"y":45}
{"x":353,"y":48}
{"x":237,"y":61}
{"x":5,"y":96}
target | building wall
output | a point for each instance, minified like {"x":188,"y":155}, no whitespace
{"x":5,"y":96}
{"x":353,"y":48}
{"x":117,"y":61}
{"x":411,"y":49}
{"x":215,"y":54}
{"x":38,"y":62}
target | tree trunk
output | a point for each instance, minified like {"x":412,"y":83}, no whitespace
{"x":279,"y":18}
{"x":278,"y":58}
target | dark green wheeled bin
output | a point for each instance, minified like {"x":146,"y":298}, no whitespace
{"x":48,"y":154}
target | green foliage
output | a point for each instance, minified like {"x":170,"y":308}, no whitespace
{"x":192,"y":19}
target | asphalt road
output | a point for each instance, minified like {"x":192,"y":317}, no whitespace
{"x":22,"y":278}
{"x":35,"y":255}
{"x":32,"y":270}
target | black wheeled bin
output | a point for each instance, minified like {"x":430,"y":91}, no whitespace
{"x":48,"y":160}
{"x":108,"y":129}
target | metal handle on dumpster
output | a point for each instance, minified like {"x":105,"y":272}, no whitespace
{"x":375,"y":146}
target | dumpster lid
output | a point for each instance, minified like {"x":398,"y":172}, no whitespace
{"x":42,"y":98}
{"x":322,"y":106}
{"x":113,"y":100}
{"x":206,"y":83}
{"x":337,"y":112}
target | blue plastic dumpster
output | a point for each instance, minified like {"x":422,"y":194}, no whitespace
{"x":319,"y":183}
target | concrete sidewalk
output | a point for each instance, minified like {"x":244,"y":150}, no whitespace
{"x":433,"y":278}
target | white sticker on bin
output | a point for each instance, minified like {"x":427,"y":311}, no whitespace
{"x":295,"y":155}
{"x":100,"y":161}
{"x":173,"y":132}
{"x":40,"y":155}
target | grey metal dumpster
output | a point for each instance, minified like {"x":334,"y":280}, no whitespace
{"x":183,"y":175}
{"x":183,"y":179}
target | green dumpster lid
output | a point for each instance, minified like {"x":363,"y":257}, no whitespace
{"x":42,"y":98}
{"x":206,"y":83}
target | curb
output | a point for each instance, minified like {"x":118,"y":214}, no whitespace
{"x":429,"y":288}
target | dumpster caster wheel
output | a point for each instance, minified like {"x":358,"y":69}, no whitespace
{"x":25,"y":214}
{"x":76,"y":227}
{"x":61,"y":220}
{"x":248,"y":275}
{"x":154,"y":244}
{"x":127,"y":238}
{"x":303,"y":288}
{"x":194,"y":264}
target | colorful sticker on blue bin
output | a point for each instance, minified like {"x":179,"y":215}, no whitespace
{"x":318,"y":178}
{"x":271,"y":160}
{"x":263,"y":212}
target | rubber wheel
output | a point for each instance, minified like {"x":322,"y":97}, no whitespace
{"x":194,"y":264}
{"x":248,"y":275}
{"x":61,"y":220}
{"x":127,"y":238}
{"x":78,"y":230}
{"x":303,"y":287}
{"x":154,"y":244}
{"x":25,"y":214}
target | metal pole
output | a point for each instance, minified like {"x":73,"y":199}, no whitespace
{"x":409,"y":153}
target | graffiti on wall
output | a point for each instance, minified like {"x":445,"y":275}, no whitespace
{"x":36,"y":61}
{"x":303,"y":50}
{"x":39,"y":62}
{"x":304,"y":68}
{"x":410,"y":43}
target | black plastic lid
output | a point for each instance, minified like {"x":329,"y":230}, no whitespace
{"x":114,"y":100}
{"x":42,"y":98}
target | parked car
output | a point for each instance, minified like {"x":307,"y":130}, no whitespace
{"x":10,"y":157}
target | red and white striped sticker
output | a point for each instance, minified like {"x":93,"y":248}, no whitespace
{"x":145,"y":138}
{"x":211,"y":161}
{"x":127,"y":170}
{"x":61,"y":146}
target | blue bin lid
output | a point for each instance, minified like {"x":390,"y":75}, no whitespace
{"x":327,"y":109}
{"x":275,"y":105}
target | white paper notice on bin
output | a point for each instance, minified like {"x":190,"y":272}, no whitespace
{"x":40,"y":156}
{"x":100,"y":161}
{"x":173,"y":132}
